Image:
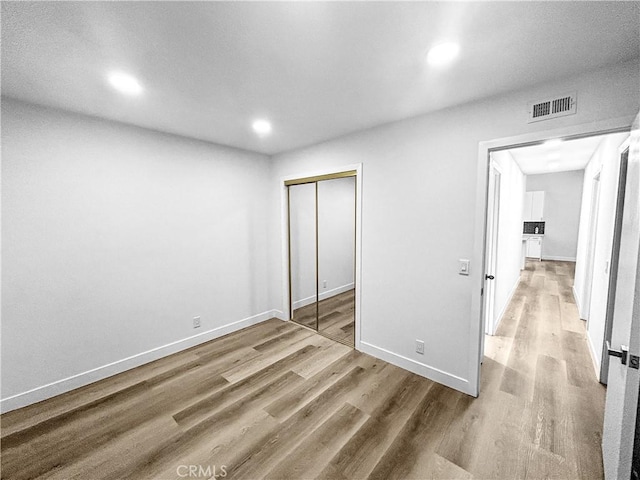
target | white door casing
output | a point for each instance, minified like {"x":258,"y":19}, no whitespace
{"x":591,"y":247}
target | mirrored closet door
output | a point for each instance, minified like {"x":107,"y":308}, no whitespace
{"x":303,"y":258}
{"x":336,"y":258}
{"x":322,"y":220}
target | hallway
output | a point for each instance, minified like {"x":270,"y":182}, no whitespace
{"x":538,"y":369}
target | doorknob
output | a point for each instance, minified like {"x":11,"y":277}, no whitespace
{"x":489,"y":277}
{"x":622,"y":353}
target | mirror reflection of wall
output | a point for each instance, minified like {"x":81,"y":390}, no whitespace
{"x":336,"y":257}
{"x":322,"y":216}
{"x":302,"y":225}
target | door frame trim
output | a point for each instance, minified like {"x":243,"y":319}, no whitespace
{"x":592,"y":218}
{"x":320,"y":178}
{"x":478,"y":258}
{"x":354,"y":170}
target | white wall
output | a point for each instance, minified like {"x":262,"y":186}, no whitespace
{"x":512,"y":182}
{"x":562,"y":201}
{"x":418,"y":199}
{"x":113,"y":239}
{"x":605,"y":160}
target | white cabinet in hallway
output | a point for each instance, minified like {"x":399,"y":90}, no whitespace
{"x":534,"y":247}
{"x":533,"y":210}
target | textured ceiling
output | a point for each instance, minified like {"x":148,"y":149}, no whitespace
{"x":316,"y":70}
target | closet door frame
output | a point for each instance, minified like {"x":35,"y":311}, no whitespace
{"x":314,"y":177}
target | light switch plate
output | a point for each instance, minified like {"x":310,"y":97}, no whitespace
{"x":463,"y":266}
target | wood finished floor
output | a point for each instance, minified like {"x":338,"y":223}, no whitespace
{"x":336,"y":317}
{"x":278,"y":401}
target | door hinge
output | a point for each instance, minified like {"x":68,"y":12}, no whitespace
{"x":482,"y":291}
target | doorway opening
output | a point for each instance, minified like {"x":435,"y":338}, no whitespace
{"x":552,"y":233}
{"x":549,"y":267}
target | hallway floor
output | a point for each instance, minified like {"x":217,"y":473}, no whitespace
{"x":539,"y":371}
{"x":278,"y":401}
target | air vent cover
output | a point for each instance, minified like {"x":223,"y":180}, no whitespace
{"x":553,"y":107}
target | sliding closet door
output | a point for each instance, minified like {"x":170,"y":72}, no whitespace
{"x":303,"y":258}
{"x":336,"y":258}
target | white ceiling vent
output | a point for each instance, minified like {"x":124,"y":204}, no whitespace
{"x":557,"y":106}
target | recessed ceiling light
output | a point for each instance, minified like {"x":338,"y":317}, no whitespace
{"x":442,"y":54}
{"x":262,"y":127}
{"x":125,"y":83}
{"x":553,"y":156}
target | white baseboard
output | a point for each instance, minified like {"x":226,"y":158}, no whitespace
{"x":323,"y":295}
{"x":337,"y":291}
{"x":576,"y":299}
{"x":559,"y":258}
{"x":418,"y":368}
{"x":85,"y":378}
{"x":594,"y":358}
{"x":505,"y":306}
{"x":304,"y":302}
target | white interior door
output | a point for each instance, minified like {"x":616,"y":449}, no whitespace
{"x":613,"y":263}
{"x":624,"y":380}
{"x":493,"y":215}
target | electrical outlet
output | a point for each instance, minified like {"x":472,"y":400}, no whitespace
{"x":420,"y":347}
{"x":196,"y":322}
{"x":324,"y":284}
